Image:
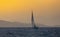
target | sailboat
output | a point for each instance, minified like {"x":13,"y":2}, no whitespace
{"x":33,"y":23}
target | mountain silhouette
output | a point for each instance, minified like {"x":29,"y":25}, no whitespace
{"x":16,"y":24}
{"x":12,"y":24}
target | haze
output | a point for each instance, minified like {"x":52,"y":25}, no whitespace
{"x":45,"y":11}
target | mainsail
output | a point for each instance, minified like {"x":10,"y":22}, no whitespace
{"x":33,"y":23}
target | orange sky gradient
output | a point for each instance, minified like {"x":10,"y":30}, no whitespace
{"x":45,"y":11}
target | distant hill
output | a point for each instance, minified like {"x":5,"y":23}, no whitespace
{"x":17,"y":24}
{"x":12,"y":24}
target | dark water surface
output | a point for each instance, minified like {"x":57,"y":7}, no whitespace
{"x":30,"y":32}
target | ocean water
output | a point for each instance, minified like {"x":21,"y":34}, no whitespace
{"x":30,"y":32}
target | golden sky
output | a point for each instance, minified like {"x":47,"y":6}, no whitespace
{"x":45,"y":11}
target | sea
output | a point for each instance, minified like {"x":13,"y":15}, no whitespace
{"x":29,"y":32}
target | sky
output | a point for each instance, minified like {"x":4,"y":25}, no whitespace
{"x":45,"y":11}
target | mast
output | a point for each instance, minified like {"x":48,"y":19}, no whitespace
{"x":32,"y":20}
{"x":32,"y":17}
{"x":33,"y":23}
